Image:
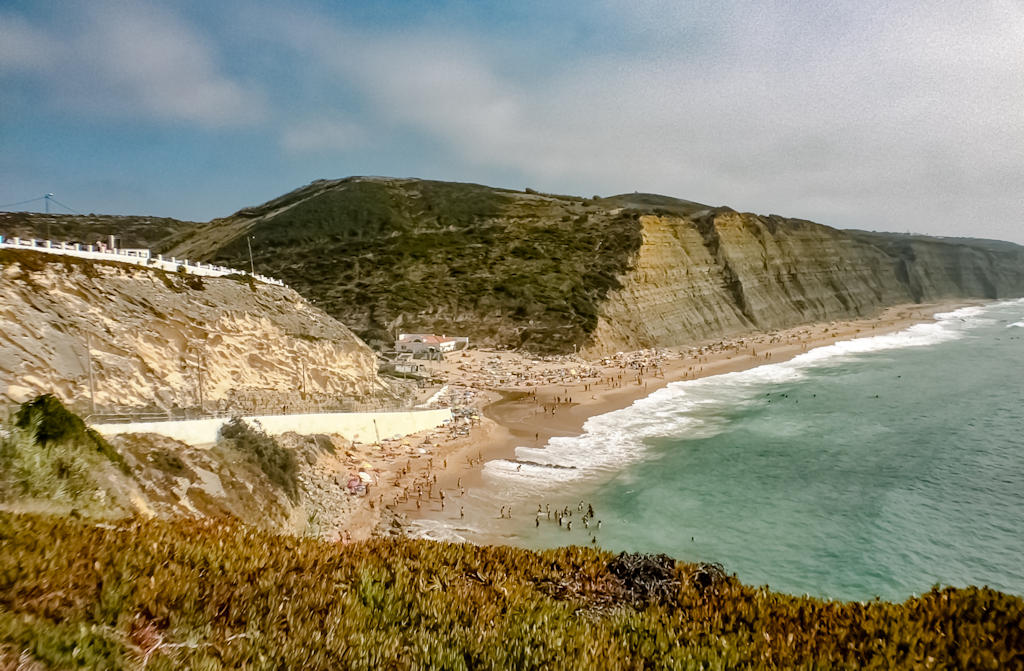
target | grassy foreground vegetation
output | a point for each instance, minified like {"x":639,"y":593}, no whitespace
{"x":48,"y":453}
{"x":205,"y":595}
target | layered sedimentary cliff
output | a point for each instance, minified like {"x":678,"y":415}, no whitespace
{"x":553,"y":273}
{"x":722,"y":272}
{"x":935,"y":268}
{"x":558,"y":273}
{"x":160,"y":340}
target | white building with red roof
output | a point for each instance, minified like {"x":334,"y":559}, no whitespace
{"x":417,"y":343}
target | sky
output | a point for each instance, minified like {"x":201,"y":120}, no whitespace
{"x":900,"y":116}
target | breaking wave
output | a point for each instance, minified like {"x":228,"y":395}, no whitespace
{"x":698,"y":408}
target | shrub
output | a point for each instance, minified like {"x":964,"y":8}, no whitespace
{"x":49,"y":453}
{"x":275,"y":461}
{"x":53,"y":424}
{"x":242,"y":278}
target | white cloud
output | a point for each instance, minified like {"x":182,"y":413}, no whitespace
{"x":130,"y":60}
{"x":867,"y":114}
{"x":22,"y":47}
{"x":323,"y":136}
{"x":871,"y":113}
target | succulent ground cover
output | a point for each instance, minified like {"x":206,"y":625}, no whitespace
{"x":208,"y":595}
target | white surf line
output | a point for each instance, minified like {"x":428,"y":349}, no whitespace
{"x":615,"y":439}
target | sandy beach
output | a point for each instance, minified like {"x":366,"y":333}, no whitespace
{"x":525,"y":401}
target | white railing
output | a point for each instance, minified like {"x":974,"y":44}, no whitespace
{"x":139,"y":257}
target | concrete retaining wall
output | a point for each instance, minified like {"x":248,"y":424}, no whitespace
{"x":362,"y":426}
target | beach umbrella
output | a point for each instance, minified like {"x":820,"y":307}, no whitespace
{"x":365,"y":477}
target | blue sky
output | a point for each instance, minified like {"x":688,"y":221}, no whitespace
{"x":901,"y":116}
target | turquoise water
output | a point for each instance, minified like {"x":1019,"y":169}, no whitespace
{"x":875,"y":467}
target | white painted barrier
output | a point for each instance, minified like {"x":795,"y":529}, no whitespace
{"x":138,"y":257}
{"x":364,"y":427}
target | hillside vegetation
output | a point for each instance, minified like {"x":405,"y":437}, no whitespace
{"x":556,"y":273}
{"x":156,"y":233}
{"x":289,"y":483}
{"x":387,"y":255}
{"x":161,"y":595}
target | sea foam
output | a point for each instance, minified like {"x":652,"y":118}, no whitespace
{"x":437,"y":530}
{"x":694,"y":408}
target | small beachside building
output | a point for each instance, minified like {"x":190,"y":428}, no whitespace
{"x":418,"y":343}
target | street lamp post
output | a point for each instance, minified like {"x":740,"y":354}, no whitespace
{"x":252,"y":266}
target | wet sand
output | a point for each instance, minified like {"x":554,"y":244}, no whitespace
{"x":518,"y":417}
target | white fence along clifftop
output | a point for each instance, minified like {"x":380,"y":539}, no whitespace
{"x":139,"y":257}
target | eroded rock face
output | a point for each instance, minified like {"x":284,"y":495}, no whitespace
{"x":937,"y":268}
{"x":676,"y":290}
{"x":722,"y":273}
{"x":553,"y":274}
{"x":157,"y":338}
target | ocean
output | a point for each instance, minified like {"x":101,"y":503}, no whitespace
{"x":879,"y":466}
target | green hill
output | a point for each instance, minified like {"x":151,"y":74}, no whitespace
{"x":554,"y":273}
{"x":385,"y":255}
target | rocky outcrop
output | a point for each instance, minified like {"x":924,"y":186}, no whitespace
{"x":554,"y":274}
{"x":557,"y":273}
{"x":720,"y":272}
{"x":160,"y":340}
{"x":938,"y":268}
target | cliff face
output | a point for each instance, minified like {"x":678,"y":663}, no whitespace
{"x":720,"y":272}
{"x":937,"y":268}
{"x":159,"y":339}
{"x":557,"y":273}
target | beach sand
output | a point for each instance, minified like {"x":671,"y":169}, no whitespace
{"x":529,"y":412}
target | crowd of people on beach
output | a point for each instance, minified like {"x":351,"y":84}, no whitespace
{"x":554,"y":384}
{"x":490,"y":369}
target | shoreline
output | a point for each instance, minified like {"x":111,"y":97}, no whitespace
{"x":517,"y":417}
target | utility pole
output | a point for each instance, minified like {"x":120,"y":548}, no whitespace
{"x":199,"y":379}
{"x":252,"y":266}
{"x":92,"y":383}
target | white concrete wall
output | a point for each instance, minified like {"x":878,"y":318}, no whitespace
{"x":352,"y":425}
